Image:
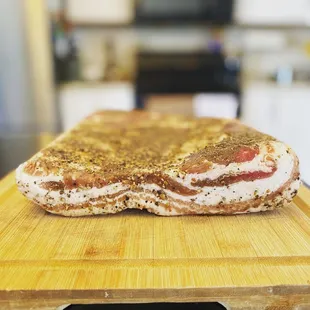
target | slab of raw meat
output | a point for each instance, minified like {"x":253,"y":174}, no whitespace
{"x":166,"y":164}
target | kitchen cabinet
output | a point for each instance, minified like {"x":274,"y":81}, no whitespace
{"x":100,"y":11}
{"x":275,"y":12}
{"x":78,"y":100}
{"x":282,"y":112}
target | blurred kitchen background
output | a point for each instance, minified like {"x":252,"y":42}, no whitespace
{"x":61,"y":60}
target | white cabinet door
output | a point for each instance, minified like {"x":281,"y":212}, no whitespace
{"x":282,"y":112}
{"x":294,"y":127}
{"x":100,"y":11}
{"x":80,"y":100}
{"x":272,"y":12}
{"x":258,"y":109}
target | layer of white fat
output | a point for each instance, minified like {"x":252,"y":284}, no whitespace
{"x":108,"y":208}
{"x":141,"y":199}
{"x":236,"y":192}
{"x":30,"y":185}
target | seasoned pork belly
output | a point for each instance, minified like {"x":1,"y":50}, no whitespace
{"x":166,"y":164}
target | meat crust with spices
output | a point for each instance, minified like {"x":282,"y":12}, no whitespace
{"x":166,"y":164}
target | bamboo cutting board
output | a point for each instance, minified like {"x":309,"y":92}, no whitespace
{"x":259,"y":261}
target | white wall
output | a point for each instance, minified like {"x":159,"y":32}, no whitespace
{"x":16,"y":108}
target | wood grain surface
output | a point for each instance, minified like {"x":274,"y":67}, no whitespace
{"x":258,"y":261}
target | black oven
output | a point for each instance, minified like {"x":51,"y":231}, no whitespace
{"x":186,"y":73}
{"x":208,"y":11}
